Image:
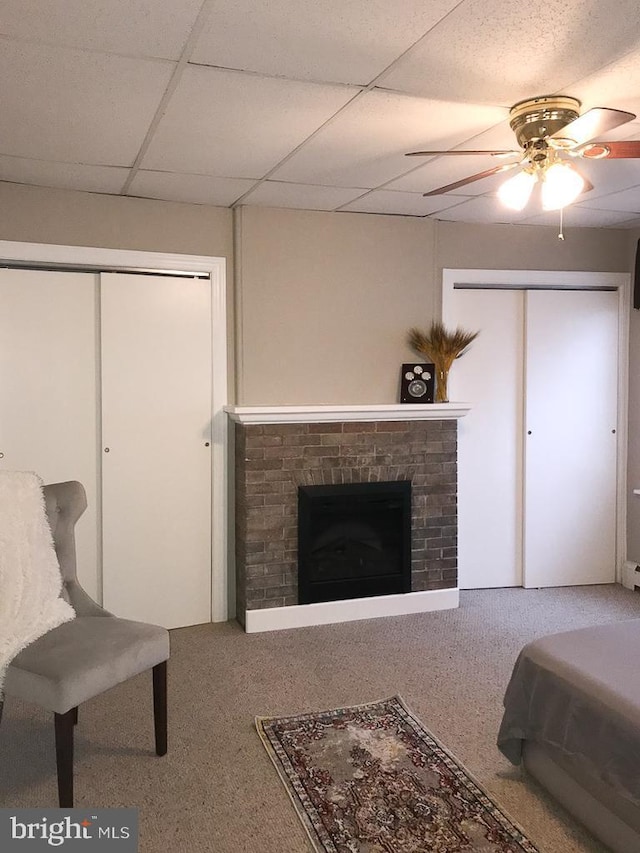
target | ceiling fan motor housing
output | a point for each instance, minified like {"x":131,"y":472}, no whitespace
{"x":539,"y":118}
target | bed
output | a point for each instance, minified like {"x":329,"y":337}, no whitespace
{"x":572,"y":718}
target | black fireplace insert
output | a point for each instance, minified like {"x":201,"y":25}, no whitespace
{"x":354,"y":540}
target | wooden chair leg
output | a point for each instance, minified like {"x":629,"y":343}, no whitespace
{"x":64,"y":757}
{"x":160,"y":707}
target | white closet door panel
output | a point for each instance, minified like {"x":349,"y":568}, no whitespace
{"x":570,"y":455}
{"x":48,"y":388}
{"x":156,"y":376}
{"x":490,"y":377}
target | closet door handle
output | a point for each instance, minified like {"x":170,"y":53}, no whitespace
{"x":107,"y":449}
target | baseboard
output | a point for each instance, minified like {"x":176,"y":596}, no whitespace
{"x":326,"y":612}
{"x":630,"y":574}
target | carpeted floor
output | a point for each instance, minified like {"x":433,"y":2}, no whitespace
{"x":217,"y":790}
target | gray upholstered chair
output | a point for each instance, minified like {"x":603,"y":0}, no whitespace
{"x":82,"y":658}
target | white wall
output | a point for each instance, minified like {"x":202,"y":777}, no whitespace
{"x":633,"y":468}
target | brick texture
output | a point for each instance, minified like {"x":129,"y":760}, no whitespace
{"x":274,"y":459}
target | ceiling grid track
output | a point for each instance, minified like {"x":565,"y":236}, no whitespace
{"x":363,"y":91}
{"x":313,"y":106}
{"x":201,"y":20}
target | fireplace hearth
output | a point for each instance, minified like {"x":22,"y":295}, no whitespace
{"x":354,"y":540}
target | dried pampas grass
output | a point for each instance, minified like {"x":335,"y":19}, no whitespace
{"x":442,"y":347}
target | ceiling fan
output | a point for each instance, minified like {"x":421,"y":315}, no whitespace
{"x":551,"y":133}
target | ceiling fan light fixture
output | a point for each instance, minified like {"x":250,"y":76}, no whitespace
{"x":550,"y":130}
{"x":561,"y":185}
{"x":516,"y":192}
{"x":538,"y":118}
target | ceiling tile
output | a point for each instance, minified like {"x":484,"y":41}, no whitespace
{"x":134,"y":27}
{"x":238,"y":125}
{"x":482,"y":209}
{"x":302,"y":196}
{"x":194,"y":189}
{"x":68,"y":176}
{"x":609,"y":176}
{"x":447,"y":170}
{"x":365,"y":145}
{"x":82,"y":81}
{"x":73,"y":106}
{"x":627,"y":200}
{"x":630,"y":223}
{"x":407,"y":204}
{"x":500,"y":137}
{"x":440,"y":171}
{"x":325,"y":40}
{"x":618,"y":84}
{"x":579,"y":217}
{"x":500,"y":52}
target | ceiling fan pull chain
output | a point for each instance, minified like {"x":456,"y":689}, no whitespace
{"x":561,"y":233}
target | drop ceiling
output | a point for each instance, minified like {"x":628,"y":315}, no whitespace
{"x":308,"y":103}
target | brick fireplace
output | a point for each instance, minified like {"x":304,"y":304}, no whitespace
{"x":332,"y":446}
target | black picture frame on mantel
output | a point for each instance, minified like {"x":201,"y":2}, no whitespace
{"x":417,"y":383}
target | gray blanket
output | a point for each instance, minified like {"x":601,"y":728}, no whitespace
{"x":579,"y":693}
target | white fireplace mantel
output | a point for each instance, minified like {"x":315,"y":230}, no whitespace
{"x":339,"y":414}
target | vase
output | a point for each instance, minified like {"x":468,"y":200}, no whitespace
{"x":442,"y":389}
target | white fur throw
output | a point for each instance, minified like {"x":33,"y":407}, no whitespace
{"x":30,"y":581}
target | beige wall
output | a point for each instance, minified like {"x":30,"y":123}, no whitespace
{"x":527,"y":247}
{"x":38,"y":215}
{"x":324,"y":301}
{"x":67,"y":218}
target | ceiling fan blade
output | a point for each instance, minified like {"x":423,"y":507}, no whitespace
{"x":593,"y":123}
{"x":434,"y":153}
{"x":471,"y":179}
{"x":611,"y":150}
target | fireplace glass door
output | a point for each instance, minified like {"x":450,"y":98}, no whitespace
{"x":354,"y":540}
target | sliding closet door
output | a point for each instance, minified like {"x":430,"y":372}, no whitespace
{"x":156,"y":454}
{"x":48,"y":388}
{"x":570,"y":451}
{"x":489,"y":377}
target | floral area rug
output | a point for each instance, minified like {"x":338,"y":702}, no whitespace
{"x":372,"y":779}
